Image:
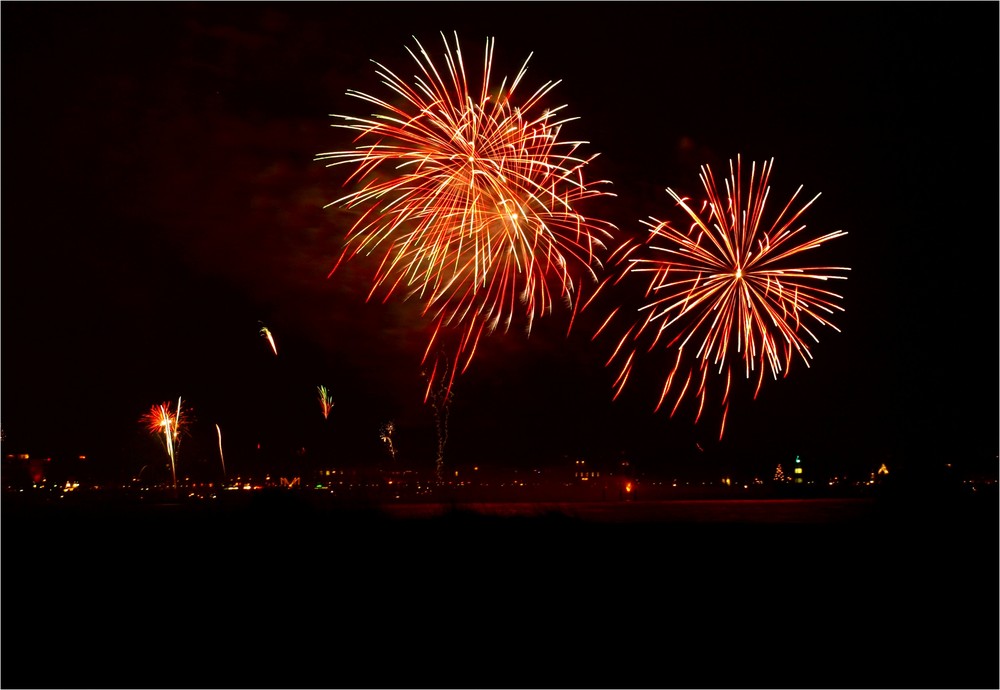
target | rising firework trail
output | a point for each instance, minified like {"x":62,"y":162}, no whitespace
{"x":469,"y":197}
{"x":222,"y":459}
{"x":726,"y":290}
{"x":440,"y":394}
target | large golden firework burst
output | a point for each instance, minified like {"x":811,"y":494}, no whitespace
{"x":470,"y":198}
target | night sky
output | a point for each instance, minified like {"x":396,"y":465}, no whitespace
{"x":161,"y":203}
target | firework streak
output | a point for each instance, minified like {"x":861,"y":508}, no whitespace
{"x":266,"y":332}
{"x":222,"y":458}
{"x":729,"y":287}
{"x":469,"y":196}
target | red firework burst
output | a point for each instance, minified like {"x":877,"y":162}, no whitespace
{"x":728,"y":291}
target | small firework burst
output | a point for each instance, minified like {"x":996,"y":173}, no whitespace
{"x":325,"y":403}
{"x":385,"y":434}
{"x":164,"y":421}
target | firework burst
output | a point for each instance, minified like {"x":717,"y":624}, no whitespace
{"x":325,"y":402}
{"x":161,"y":419}
{"x":728,"y":292}
{"x":385,"y":434}
{"x":469,"y":196}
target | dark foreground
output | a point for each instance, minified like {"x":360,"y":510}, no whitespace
{"x":280,"y":593}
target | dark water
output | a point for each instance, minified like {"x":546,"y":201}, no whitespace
{"x":734,"y":511}
{"x":282,"y":594}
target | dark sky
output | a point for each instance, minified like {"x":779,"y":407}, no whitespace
{"x":161,"y":202}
